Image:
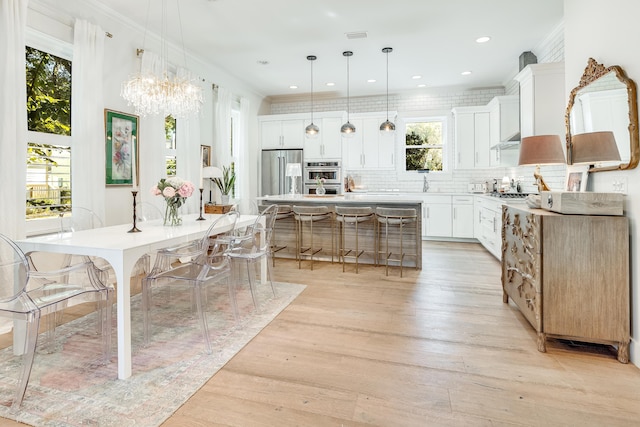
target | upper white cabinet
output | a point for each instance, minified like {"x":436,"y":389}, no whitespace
{"x":472,"y":137}
{"x":542,"y":99}
{"x":280,"y":132}
{"x":328,"y":145}
{"x":367,"y":148}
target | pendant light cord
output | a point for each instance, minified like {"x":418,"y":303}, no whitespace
{"x":348,"y":55}
{"x":387,"y":52}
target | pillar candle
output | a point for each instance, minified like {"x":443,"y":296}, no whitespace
{"x":134,"y":172}
{"x":200,"y":166}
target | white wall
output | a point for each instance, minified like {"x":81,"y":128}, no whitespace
{"x":56,"y":18}
{"x":608,"y":32}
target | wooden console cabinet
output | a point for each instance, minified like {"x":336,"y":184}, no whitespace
{"x":568,"y":275}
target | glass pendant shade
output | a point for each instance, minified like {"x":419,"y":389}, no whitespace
{"x":348,"y":130}
{"x":311,"y":131}
{"x":387,"y":127}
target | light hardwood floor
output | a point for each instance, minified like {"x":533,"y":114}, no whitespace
{"x":435,"y":348}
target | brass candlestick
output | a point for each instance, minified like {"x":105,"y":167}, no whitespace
{"x":134,"y":229}
{"x":201,"y":218}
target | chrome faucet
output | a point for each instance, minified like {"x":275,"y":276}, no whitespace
{"x":425,"y":184}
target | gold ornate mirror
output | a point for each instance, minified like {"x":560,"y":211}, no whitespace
{"x":605,"y":100}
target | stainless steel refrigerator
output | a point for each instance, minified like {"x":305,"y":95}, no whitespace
{"x":274,"y":167}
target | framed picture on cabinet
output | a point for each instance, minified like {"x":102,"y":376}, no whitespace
{"x":121,"y":148}
{"x":576,"y":179}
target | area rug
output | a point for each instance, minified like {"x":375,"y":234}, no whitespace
{"x":69,"y":388}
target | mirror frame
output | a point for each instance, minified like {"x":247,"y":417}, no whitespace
{"x":593,"y":72}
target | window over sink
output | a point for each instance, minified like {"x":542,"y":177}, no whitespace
{"x":425,"y":144}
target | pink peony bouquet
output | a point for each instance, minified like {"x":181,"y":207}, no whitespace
{"x":175,"y":192}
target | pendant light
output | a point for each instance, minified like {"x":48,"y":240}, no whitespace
{"x":387,"y":127}
{"x":312,"y":130}
{"x":348,"y":130}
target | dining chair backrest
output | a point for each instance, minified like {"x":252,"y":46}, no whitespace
{"x":146,"y":211}
{"x":14,"y":270}
{"x":268,"y":215}
{"x":79,"y":219}
{"x":218,"y":236}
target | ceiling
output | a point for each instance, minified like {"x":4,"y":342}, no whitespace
{"x":434,"y":39}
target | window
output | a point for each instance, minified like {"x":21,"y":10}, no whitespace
{"x":48,"y":89}
{"x":425,"y":144}
{"x":170,"y":137}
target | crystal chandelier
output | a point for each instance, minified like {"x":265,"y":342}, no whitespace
{"x":154,"y":90}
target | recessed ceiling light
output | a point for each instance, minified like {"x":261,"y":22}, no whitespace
{"x":416,"y":77}
{"x":356,"y":35}
{"x":263,"y":62}
{"x":465,"y":73}
{"x":483,"y":39}
{"x":422,"y":85}
{"x":371,"y":81}
{"x":293,"y":87}
{"x":331,"y":84}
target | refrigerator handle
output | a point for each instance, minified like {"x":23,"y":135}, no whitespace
{"x":281,"y":174}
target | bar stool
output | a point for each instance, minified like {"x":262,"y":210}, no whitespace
{"x":284,"y":212}
{"x":346,"y":215}
{"x":310,"y":214}
{"x":395,"y":217}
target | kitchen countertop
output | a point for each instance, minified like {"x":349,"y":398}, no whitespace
{"x":382,"y":197}
{"x":355,"y":198}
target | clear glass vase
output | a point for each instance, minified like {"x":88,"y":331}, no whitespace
{"x":171,"y":215}
{"x":320,"y":190}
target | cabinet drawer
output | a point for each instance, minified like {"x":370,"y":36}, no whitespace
{"x":463,"y":200}
{"x":437,"y":199}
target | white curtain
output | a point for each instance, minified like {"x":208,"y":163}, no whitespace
{"x":222,"y":130}
{"x":87,"y":118}
{"x":13,"y":117}
{"x":243,"y":167}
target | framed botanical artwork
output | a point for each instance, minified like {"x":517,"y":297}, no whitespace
{"x":576,"y":179}
{"x":206,"y":155}
{"x":121,"y":145}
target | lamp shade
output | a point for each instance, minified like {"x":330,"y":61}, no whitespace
{"x":594,"y":147}
{"x":211,"y":172}
{"x":541,"y":150}
{"x":293,"y":169}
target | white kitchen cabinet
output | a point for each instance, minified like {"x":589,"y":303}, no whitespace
{"x":472,"y":137}
{"x":462,"y":219}
{"x":488,"y":217}
{"x":328,"y":145}
{"x":368,"y":149}
{"x":281,"y":133}
{"x":542,"y":99}
{"x":437,"y":219}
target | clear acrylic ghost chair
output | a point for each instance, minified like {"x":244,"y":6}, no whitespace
{"x":255,"y":246}
{"x":77,"y":220}
{"x":26,"y":296}
{"x":193,"y":265}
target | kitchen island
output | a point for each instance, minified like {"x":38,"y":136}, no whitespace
{"x":325,"y":232}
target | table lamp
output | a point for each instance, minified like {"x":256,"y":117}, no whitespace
{"x":211,"y":172}
{"x":594,"y":147}
{"x":294,"y":170}
{"x":541,"y":150}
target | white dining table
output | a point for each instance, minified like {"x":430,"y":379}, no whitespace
{"x":122,"y":250}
